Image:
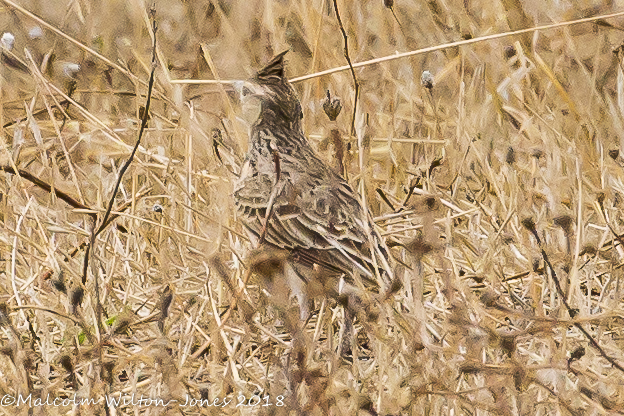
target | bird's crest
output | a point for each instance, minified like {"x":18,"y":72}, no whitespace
{"x":274,"y":70}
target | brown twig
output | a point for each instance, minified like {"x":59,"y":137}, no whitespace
{"x":410,"y":192}
{"x":105,"y":220}
{"x":34,"y":114}
{"x":390,"y":5}
{"x":48,"y":188}
{"x":346,"y":54}
{"x":52,"y":311}
{"x":530,"y":225}
{"x":384,"y":198}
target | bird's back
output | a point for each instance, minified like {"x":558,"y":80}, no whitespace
{"x":316,"y":214}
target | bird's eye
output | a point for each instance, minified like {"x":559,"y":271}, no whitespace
{"x":246,"y":91}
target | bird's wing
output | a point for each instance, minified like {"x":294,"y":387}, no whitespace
{"x":315,"y":212}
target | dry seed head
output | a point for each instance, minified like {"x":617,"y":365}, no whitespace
{"x":507,"y":238}
{"x":489,"y":298}
{"x":431,"y":203}
{"x":165,"y":300}
{"x":9,"y":352}
{"x":332,"y":106}
{"x":508,"y":344}
{"x":511,"y":156}
{"x":35,"y":32}
{"x":59,"y":284}
{"x":267,"y":261}
{"x":4,"y":314}
{"x":419,"y":246}
{"x":426,"y":80}
{"x":424,"y":204}
{"x":107,"y":371}
{"x":529,"y":224}
{"x":76,"y":297}
{"x":67,"y":364}
{"x":469,"y":368}
{"x":395,"y":286}
{"x":565,"y":222}
{"x":519,"y":376}
{"x":7,"y":40}
{"x":510,"y":51}
{"x":589,"y":249}
{"x":577,"y":354}
{"x":537,"y":153}
{"x":614,"y":153}
{"x":121,"y":325}
{"x":70,"y":69}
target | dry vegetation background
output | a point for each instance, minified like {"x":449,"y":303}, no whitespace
{"x":518,"y":138}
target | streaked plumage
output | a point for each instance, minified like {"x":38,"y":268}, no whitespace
{"x":316,"y":214}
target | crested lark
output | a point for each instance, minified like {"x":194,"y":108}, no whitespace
{"x":315,"y":215}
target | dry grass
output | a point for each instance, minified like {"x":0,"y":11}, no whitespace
{"x":507,"y":247}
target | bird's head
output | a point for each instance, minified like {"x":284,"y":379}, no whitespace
{"x":268,"y":97}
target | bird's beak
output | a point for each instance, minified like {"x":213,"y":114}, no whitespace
{"x":238,"y":86}
{"x":246,"y":90}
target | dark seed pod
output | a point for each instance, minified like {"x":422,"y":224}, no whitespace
{"x":565,"y":222}
{"x":577,"y":354}
{"x":510,"y":51}
{"x":76,"y":297}
{"x":67,"y":364}
{"x":511,"y":156}
{"x":332,"y":107}
{"x":614,"y":153}
{"x":426,"y":80}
